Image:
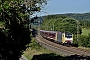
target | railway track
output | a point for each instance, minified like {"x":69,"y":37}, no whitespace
{"x":56,"y":49}
{"x":81,"y":51}
{"x":65,"y":51}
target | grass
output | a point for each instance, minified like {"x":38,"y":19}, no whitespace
{"x":35,"y":49}
{"x":37,"y":52}
{"x":85,"y":31}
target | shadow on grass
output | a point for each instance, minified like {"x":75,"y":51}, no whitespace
{"x":58,"y":57}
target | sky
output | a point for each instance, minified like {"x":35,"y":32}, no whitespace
{"x":66,"y":6}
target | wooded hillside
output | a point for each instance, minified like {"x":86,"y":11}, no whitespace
{"x":78,"y":16}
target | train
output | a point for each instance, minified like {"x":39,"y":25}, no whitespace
{"x":64,"y":38}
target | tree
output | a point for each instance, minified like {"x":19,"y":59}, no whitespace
{"x":15,"y":33}
{"x":72,"y":25}
{"x":63,"y":24}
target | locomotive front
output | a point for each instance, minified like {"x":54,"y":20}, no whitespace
{"x":68,"y":38}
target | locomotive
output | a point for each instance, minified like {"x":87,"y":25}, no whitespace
{"x":65,"y":38}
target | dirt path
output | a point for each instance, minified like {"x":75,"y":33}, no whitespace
{"x":23,"y":58}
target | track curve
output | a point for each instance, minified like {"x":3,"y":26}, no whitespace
{"x":64,"y":50}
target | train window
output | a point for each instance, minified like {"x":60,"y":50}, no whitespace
{"x":53,"y":35}
{"x":45,"y":33}
{"x":49,"y":34}
{"x":68,"y":36}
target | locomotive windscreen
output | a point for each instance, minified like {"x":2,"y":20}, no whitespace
{"x":68,"y":35}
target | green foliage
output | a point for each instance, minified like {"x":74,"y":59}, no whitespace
{"x":83,"y":18}
{"x":77,"y":16}
{"x":84,"y":40}
{"x":34,"y":45}
{"x":85,"y":24}
{"x":62,"y":24}
{"x":15,"y":33}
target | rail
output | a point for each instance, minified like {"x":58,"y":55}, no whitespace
{"x":64,"y":50}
